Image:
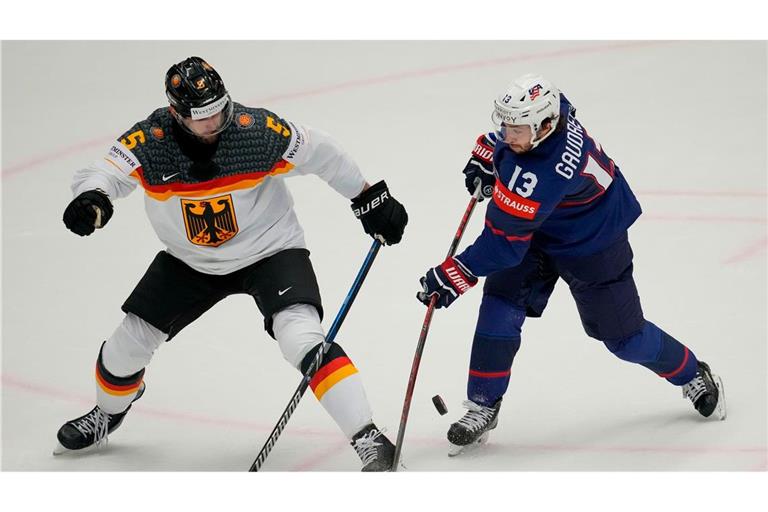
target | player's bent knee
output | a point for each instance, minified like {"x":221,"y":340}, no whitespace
{"x":297,"y":330}
{"x":641,"y":347}
{"x":131,"y":346}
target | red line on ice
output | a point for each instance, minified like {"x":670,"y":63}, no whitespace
{"x":47,"y":391}
{"x":376,"y":80}
{"x":750,"y":251}
{"x":164,"y":413}
{"x":322,"y":455}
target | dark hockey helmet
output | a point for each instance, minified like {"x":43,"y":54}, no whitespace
{"x":196,"y":91}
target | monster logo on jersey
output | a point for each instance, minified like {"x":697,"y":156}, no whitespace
{"x":209,"y":222}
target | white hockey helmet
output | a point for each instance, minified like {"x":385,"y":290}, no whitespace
{"x":529,"y":100}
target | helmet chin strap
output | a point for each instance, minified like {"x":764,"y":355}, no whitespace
{"x":535,"y":142}
{"x":180,"y":121}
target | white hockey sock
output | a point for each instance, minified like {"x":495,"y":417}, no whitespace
{"x":121,"y":362}
{"x":337,"y":385}
{"x":342,"y":394}
{"x":131,"y":346}
{"x":297,"y":331}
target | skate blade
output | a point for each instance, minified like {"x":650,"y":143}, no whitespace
{"x":720,"y":409}
{"x":455,"y":449}
{"x":61,"y":449}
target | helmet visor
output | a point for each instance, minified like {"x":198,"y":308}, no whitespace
{"x":208,"y":120}
{"x":211,"y":109}
{"x":506,"y":131}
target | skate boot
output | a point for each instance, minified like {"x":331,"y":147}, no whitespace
{"x":706,"y":392}
{"x":473,"y":429}
{"x":374,"y":449}
{"x":90,"y":429}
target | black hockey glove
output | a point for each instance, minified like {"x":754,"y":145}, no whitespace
{"x":448,"y":280}
{"x":480,"y":166}
{"x":80,"y":215}
{"x":381,"y":214}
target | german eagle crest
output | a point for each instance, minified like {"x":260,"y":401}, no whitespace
{"x":209,"y":222}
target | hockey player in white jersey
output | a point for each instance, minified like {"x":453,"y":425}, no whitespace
{"x":212,"y":172}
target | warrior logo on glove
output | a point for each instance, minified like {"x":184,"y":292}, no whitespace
{"x":447,"y":281}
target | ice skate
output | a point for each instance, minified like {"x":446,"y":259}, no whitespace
{"x":374,"y":449}
{"x":707,"y":393}
{"x":91,"y":429}
{"x":474,"y":428}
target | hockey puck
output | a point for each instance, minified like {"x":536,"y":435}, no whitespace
{"x":439,"y":405}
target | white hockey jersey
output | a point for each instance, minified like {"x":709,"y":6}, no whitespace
{"x":241,"y":215}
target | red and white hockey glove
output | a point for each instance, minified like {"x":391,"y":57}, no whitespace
{"x":479,"y":169}
{"x":447,"y":281}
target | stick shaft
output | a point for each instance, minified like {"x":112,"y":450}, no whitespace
{"x":423,"y":335}
{"x":307,"y":377}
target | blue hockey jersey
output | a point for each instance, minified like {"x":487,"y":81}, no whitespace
{"x":566,"y":192}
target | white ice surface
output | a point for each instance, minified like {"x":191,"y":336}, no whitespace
{"x":686,"y":122}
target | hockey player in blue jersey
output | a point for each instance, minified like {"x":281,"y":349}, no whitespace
{"x":559,"y":208}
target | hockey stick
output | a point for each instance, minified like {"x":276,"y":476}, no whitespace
{"x":296,"y":397}
{"x":425,"y":331}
